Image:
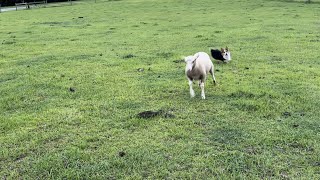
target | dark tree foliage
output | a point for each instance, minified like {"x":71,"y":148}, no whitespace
{"x":12,"y":2}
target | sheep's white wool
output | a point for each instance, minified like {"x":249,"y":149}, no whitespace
{"x":197,"y":68}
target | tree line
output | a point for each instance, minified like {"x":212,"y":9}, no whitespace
{"x":12,"y":2}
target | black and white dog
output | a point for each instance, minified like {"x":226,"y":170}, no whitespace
{"x":223,"y":54}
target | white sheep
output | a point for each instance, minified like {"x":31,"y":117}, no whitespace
{"x":197,"y":68}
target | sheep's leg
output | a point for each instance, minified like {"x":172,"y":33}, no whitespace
{"x":191,"y":89}
{"x":212,"y":73}
{"x":203,"y":96}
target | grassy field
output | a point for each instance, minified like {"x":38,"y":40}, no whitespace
{"x":73,"y":80}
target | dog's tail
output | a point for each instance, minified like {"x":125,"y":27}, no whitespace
{"x":211,"y":48}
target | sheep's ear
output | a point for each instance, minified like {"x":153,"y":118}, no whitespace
{"x":185,"y":59}
{"x":194,"y":60}
{"x":195,"y":57}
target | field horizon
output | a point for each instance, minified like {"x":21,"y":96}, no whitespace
{"x":98,"y":91}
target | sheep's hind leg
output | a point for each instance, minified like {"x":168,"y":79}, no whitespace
{"x":203,"y":96}
{"x":212,"y":73}
{"x":191,"y":89}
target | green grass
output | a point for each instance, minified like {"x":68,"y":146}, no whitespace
{"x":260,"y":122}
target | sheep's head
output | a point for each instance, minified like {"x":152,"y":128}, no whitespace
{"x":226,"y":53}
{"x":189,"y":59}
